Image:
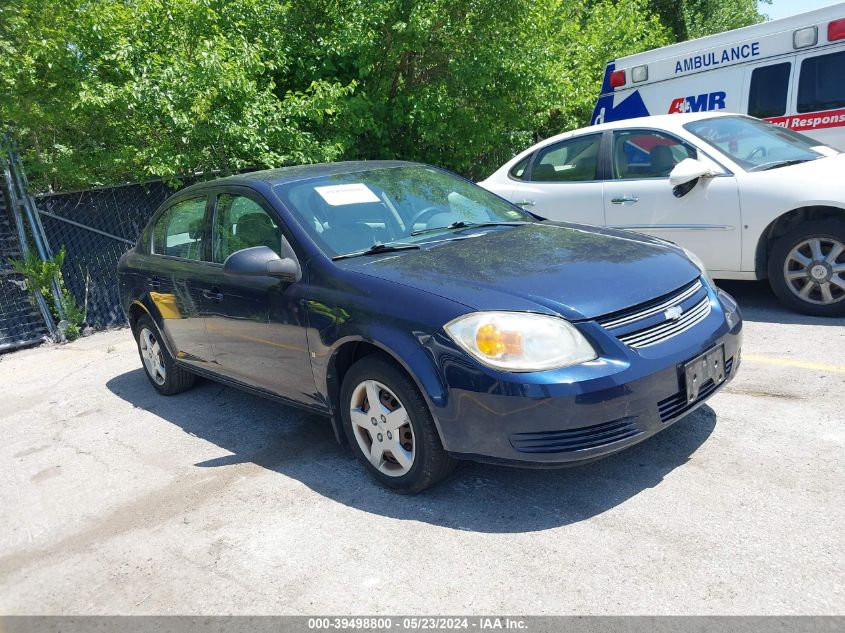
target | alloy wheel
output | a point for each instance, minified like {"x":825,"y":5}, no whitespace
{"x":813,"y":270}
{"x":152,"y":357}
{"x":382,"y":428}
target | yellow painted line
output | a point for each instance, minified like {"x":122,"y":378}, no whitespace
{"x":802,"y":364}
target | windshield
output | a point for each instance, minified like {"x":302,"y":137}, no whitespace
{"x":756,"y":145}
{"x":349,"y":213}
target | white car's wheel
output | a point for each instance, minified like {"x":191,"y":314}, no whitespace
{"x":807,"y":268}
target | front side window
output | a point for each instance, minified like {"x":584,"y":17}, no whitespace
{"x":572,"y":160}
{"x":647,"y":154}
{"x":756,"y":145}
{"x":768,"y":90}
{"x":351,"y":212}
{"x":821,"y":85}
{"x":240,"y":222}
{"x":180,"y":231}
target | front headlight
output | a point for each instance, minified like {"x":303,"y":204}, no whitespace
{"x":520,"y":341}
{"x":732,"y":314}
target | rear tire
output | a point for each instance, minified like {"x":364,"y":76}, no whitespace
{"x":159,"y":366}
{"x":396,"y":440}
{"x":807,"y":268}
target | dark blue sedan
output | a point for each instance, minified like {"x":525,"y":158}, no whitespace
{"x":430,"y":319}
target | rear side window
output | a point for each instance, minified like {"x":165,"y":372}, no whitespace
{"x":769,"y":87}
{"x":572,"y":160}
{"x":821,"y":86}
{"x":180,"y":230}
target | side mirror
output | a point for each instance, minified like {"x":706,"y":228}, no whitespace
{"x":262,"y":261}
{"x":688,"y":170}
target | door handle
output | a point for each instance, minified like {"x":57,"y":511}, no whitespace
{"x":213,"y":295}
{"x":625,"y":199}
{"x":525,"y":203}
{"x":153,"y":283}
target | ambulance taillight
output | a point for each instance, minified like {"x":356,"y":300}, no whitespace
{"x":836,"y":30}
{"x":617,"y":79}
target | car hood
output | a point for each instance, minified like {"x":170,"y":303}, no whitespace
{"x":576,"y":271}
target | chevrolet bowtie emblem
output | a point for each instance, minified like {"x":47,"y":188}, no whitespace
{"x":674,"y":313}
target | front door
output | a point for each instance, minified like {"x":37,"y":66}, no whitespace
{"x":563,"y":184}
{"x":256,"y":324}
{"x":638,"y":197}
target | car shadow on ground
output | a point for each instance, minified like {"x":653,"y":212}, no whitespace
{"x":476,"y":497}
{"x":759,"y":304}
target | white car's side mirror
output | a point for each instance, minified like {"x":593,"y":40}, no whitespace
{"x":688,"y":170}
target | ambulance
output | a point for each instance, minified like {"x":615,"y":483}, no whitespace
{"x":790,"y":72}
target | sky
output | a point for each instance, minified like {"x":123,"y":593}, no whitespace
{"x":783,"y":8}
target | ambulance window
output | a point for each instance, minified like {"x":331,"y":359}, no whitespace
{"x":767,"y":95}
{"x":572,"y":160}
{"x":518,"y":170}
{"x":821,"y":86}
{"x":641,"y":154}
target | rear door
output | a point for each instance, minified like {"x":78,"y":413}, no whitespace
{"x":256,"y":325}
{"x":563,"y":182}
{"x":638,"y":197}
{"x":175,"y":273}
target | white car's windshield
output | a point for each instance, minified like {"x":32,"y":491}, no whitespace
{"x":390,"y":208}
{"x":756,"y":145}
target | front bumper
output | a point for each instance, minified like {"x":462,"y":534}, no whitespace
{"x":577,"y":414}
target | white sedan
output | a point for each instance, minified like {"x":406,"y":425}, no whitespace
{"x":751,"y":199}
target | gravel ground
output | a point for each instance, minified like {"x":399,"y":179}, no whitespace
{"x":119,"y":501}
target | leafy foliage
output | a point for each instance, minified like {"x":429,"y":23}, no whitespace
{"x":39,"y":275}
{"x":118,"y":90}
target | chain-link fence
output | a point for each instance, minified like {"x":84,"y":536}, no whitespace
{"x":95,"y":227}
{"x":20,"y":321}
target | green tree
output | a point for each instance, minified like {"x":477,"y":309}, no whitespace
{"x":120,"y":90}
{"x":688,"y":19}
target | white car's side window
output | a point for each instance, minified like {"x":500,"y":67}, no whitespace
{"x":572,"y":160}
{"x":641,"y":154}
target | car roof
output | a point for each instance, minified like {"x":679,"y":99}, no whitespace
{"x":293,"y":173}
{"x":662,"y":121}
{"x":668,"y":122}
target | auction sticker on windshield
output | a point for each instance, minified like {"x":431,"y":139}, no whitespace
{"x":353,"y":193}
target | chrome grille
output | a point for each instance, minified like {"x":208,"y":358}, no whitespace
{"x":642,"y":314}
{"x":650,"y":324}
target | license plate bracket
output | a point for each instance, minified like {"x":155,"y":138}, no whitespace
{"x":701,"y":369}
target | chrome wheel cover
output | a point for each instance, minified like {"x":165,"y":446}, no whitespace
{"x":382,"y":428}
{"x":814,"y":269}
{"x":151,"y":355}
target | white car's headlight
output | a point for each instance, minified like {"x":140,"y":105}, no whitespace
{"x":520,"y":341}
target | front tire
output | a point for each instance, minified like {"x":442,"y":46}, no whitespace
{"x":390,"y":428}
{"x":807,"y":268}
{"x":159,"y":366}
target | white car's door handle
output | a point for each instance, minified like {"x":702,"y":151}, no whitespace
{"x":525,"y":203}
{"x":625,"y":199}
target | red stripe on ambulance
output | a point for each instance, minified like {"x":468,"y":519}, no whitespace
{"x":811,"y":121}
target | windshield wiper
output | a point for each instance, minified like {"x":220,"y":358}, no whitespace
{"x":460,"y":224}
{"x":375,"y":249}
{"x":782,"y":163}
